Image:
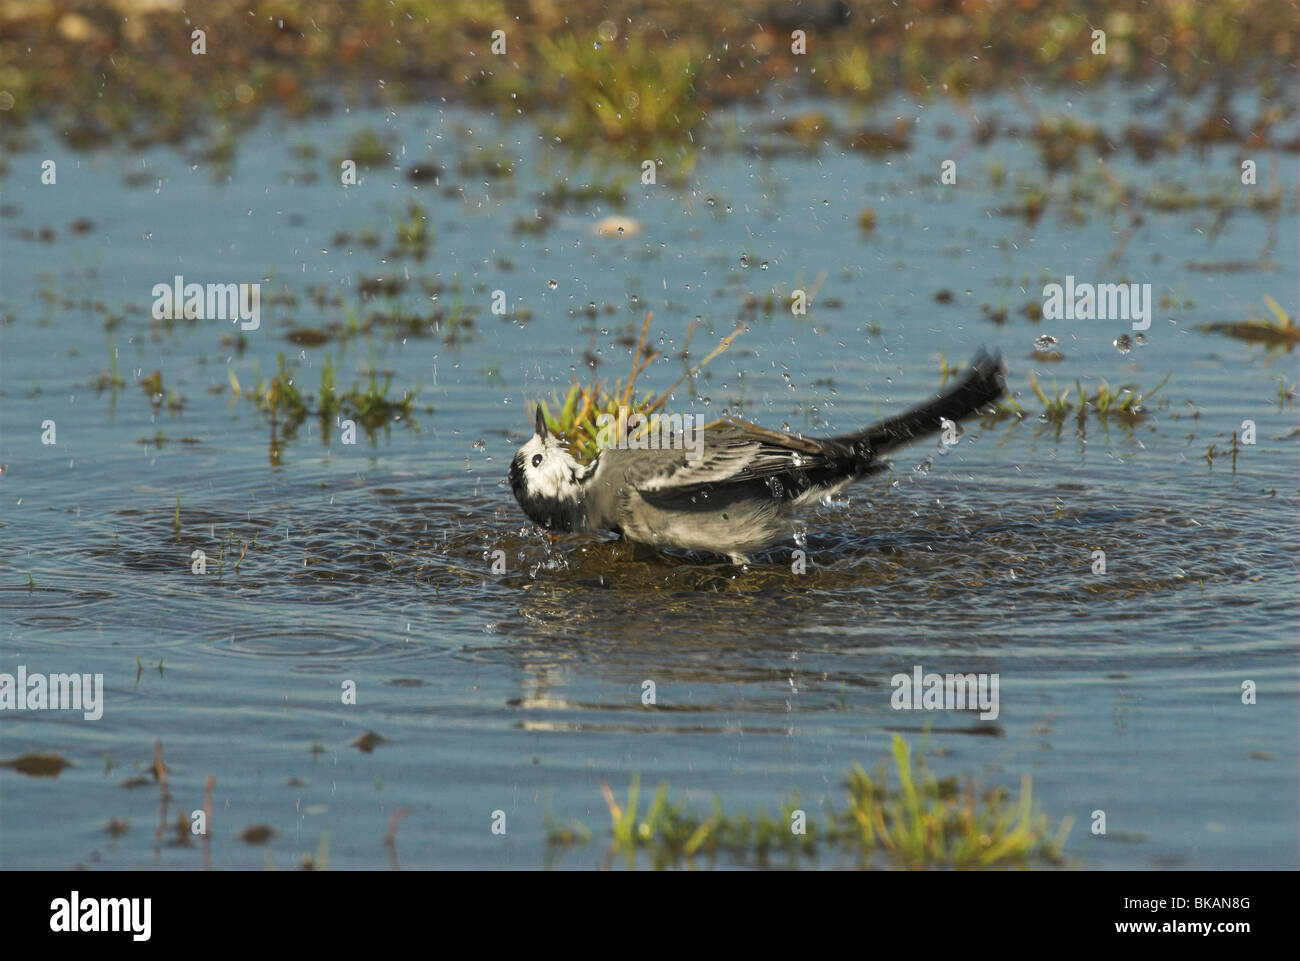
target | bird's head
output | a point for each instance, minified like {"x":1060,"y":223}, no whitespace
{"x":546,"y":479}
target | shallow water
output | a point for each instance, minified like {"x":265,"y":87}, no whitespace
{"x":521,"y":692}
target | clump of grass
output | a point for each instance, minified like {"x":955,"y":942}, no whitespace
{"x":1213,"y":453}
{"x":1060,"y":140}
{"x":373,"y":407}
{"x":455,"y":326}
{"x":1278,"y":330}
{"x":159,"y":395}
{"x":367,"y":149}
{"x":563,"y":193}
{"x":281,"y":398}
{"x":492,"y":162}
{"x":924,"y":822}
{"x":632,"y":92}
{"x":777,"y":296}
{"x":1123,"y":402}
{"x":413,"y":234}
{"x":110,"y":379}
{"x":371,"y":403}
{"x":153,"y":387}
{"x":1032,"y":202}
{"x":574,"y":419}
{"x":1126,"y":402}
{"x":1177,"y":198}
{"x":229,"y":544}
{"x":1056,"y":405}
{"x":937,"y":823}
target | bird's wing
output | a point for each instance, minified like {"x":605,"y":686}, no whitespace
{"x":733,"y":453}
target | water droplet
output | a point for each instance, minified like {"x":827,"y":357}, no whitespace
{"x":744,"y":261}
{"x":1044,"y":343}
{"x":763,"y":265}
{"x":1123,"y":343}
{"x":1141,"y":340}
{"x":552,"y":284}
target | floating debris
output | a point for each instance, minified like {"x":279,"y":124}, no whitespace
{"x":369,"y":741}
{"x":616,"y":226}
{"x":38,"y":765}
{"x":256,"y":834}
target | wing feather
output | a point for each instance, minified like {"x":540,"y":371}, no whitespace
{"x":736,"y":454}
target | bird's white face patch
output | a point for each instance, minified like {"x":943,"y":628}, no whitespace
{"x":549,"y":471}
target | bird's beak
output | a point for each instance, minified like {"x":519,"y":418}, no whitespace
{"x":541,"y":423}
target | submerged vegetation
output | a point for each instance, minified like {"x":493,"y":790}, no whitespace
{"x":1126,"y":403}
{"x":921,"y":822}
{"x":1276,"y":331}
{"x":371,"y":405}
{"x":1213,"y":453}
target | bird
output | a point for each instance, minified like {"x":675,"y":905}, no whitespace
{"x":741,"y":492}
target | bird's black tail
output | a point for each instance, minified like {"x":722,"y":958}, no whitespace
{"x":982,"y":383}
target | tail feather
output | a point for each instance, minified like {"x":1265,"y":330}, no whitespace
{"x":982,"y":383}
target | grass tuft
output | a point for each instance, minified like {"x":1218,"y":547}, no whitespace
{"x":1126,"y":402}
{"x":1276,"y":331}
{"x":921,"y":823}
{"x":574,"y":419}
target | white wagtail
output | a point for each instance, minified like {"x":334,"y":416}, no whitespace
{"x":742,"y":493}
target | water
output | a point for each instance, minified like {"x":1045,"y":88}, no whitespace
{"x":522,"y":692}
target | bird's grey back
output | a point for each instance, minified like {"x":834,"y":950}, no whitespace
{"x":735,"y":462}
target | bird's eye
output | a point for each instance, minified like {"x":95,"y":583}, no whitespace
{"x":537,"y":460}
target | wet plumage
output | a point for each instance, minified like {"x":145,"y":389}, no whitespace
{"x":744,"y":491}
